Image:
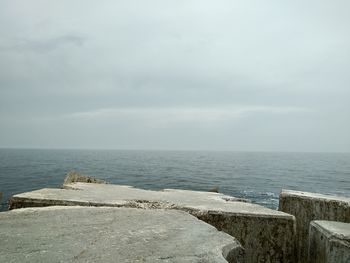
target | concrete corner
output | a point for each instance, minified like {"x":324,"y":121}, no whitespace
{"x":329,"y":242}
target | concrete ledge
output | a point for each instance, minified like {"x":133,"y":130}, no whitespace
{"x":91,"y":234}
{"x":267,"y":235}
{"x":310,"y":206}
{"x":329,"y":242}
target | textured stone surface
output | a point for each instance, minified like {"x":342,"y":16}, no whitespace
{"x":329,"y":242}
{"x":310,"y":206}
{"x":267,"y":235}
{"x":266,"y":238}
{"x":100,"y":234}
{"x":73,"y":177}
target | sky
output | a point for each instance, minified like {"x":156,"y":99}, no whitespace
{"x":231,"y":75}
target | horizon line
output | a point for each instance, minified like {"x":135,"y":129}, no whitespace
{"x":167,"y":150}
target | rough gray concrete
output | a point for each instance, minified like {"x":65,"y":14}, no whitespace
{"x":307,"y":207}
{"x":73,"y":177}
{"x":329,"y":242}
{"x":267,"y":235}
{"x":105,"y":234}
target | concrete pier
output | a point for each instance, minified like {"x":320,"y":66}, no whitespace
{"x":266,"y":235}
{"x":329,"y":242}
{"x":307,"y":207}
{"x":102,"y":234}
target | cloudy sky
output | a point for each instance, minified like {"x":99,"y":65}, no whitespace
{"x":180,"y":74}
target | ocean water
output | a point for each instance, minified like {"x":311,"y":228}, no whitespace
{"x":258,"y":176}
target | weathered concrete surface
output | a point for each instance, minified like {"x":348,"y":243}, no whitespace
{"x":267,"y":235}
{"x":73,"y":177}
{"x":329,"y":242}
{"x":307,"y":207}
{"x":105,"y":234}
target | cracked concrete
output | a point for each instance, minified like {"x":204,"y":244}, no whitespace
{"x":267,"y":235}
{"x":104,"y":234}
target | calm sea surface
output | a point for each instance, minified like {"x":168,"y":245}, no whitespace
{"x":254,"y":175}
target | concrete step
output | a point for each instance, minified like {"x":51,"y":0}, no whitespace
{"x":307,"y":207}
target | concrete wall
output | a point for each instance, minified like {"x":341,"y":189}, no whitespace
{"x":310,"y":206}
{"x":329,"y":242}
{"x":265,"y":239}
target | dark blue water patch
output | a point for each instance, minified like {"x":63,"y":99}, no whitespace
{"x":252,"y":175}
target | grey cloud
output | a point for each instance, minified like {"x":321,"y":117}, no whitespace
{"x":42,"y":45}
{"x":191,"y":63}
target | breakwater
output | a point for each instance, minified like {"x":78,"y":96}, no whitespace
{"x":259,"y":234}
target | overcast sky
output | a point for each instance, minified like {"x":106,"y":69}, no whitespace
{"x":181,"y":74}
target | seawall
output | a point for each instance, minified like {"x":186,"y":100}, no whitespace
{"x":252,"y":233}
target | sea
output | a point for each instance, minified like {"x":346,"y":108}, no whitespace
{"x":257,"y":176}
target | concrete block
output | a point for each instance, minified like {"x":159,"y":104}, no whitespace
{"x":73,"y":177}
{"x":267,"y":235}
{"x":307,"y":207}
{"x":329,"y":242}
{"x":104,"y":234}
